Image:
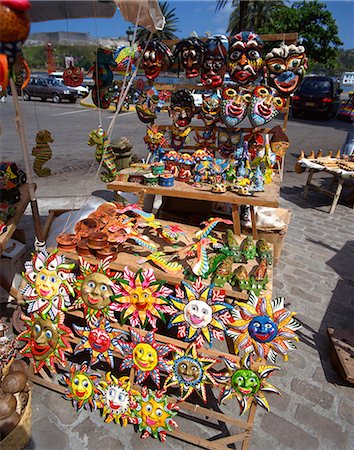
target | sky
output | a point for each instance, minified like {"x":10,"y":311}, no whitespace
{"x":198,"y":16}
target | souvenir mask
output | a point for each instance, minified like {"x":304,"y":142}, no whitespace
{"x":279,"y":142}
{"x":228,"y":142}
{"x":73,"y":76}
{"x":199,"y":308}
{"x":155,"y":414}
{"x":233,"y":106}
{"x":210,"y":110}
{"x":245,"y":57}
{"x":81,"y":387}
{"x":147,"y":105}
{"x":265,"y":104}
{"x":46,"y":341}
{"x":157,"y":57}
{"x":214,"y":63}
{"x":265,"y":327}
{"x":190,"y":372}
{"x":286,"y":67}
{"x":190,"y":55}
{"x":181,"y":109}
{"x":145,"y":355}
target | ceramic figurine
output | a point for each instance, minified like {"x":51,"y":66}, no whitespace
{"x":286,"y":66}
{"x":155,"y":414}
{"x":255,"y":143}
{"x":46,"y":341}
{"x":81,"y":387}
{"x":189,"y":54}
{"x":229,"y":142}
{"x":141,"y":299}
{"x":170,"y":158}
{"x":234,"y":104}
{"x":255,"y":281}
{"x":258,"y":180}
{"x":116,"y":400}
{"x":102,"y":76}
{"x":218,"y":170}
{"x":157,"y":56}
{"x":210,"y":111}
{"x":156,"y":143}
{"x":161,"y":260}
{"x":146,"y":356}
{"x":264,"y":106}
{"x":248,"y":247}
{"x":264,"y":251}
{"x":95,"y":287}
{"x":201,"y":173}
{"x":214,"y":63}
{"x":186,"y":163}
{"x":42,"y":153}
{"x":181,"y":112}
{"x":201,"y":314}
{"x":263,"y":326}
{"x":202,"y":154}
{"x":73,"y":76}
{"x":190,"y":372}
{"x":100,"y":342}
{"x":223,"y":272}
{"x":245,"y":57}
{"x":279,"y":142}
{"x":48,"y":284}
{"x":241,"y":278}
{"x":247,"y":382}
{"x":104,"y":154}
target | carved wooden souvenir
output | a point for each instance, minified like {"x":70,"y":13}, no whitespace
{"x":210,"y":111}
{"x":116,"y":400}
{"x":142,"y":299}
{"x":234,"y":104}
{"x":245,"y":57}
{"x":202,"y":313}
{"x":156,"y":142}
{"x":230,"y":143}
{"x":42,"y":153}
{"x":186,"y":163}
{"x":218,"y":170}
{"x":286,"y":66}
{"x":247,"y":382}
{"x":148,"y":104}
{"x":100,"y":342}
{"x":189,"y":54}
{"x":95,"y":286}
{"x":258,"y":180}
{"x":48,"y":284}
{"x":104,"y":154}
{"x":190,"y":372}
{"x":248,"y":247}
{"x":209,"y":225}
{"x":181,"y":112}
{"x":157,"y":56}
{"x":264,"y":251}
{"x":146,"y":356}
{"x":263,"y":326}
{"x":264,"y":106}
{"x":46,"y":341}
{"x":171,"y":165}
{"x":214,"y":63}
{"x":279,"y":142}
{"x":102,"y":76}
{"x":155,"y":414}
{"x":73,"y":76}
{"x":81,"y":387}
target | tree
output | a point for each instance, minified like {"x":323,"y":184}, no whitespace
{"x":170,"y":27}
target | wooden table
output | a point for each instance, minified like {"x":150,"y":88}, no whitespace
{"x":270,"y":197}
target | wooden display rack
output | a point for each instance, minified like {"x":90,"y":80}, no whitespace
{"x":342,"y":351}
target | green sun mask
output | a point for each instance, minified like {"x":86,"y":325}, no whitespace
{"x":245,"y":382}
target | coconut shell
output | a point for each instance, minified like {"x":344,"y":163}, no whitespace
{"x":8,"y":424}
{"x":7,"y":405}
{"x":18,"y":365}
{"x":2,"y":394}
{"x":14,"y":382}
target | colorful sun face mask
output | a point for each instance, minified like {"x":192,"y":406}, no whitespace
{"x":46,"y":341}
{"x":234,"y":105}
{"x":146,"y":356}
{"x":116,"y":400}
{"x":214,"y":63}
{"x":94,"y":287}
{"x":245,"y":57}
{"x":81,"y":387}
{"x":265,"y":104}
{"x":264,"y":326}
{"x":210,"y":110}
{"x":286,"y":67}
{"x":142,"y":299}
{"x":228,"y":142}
{"x":73,"y":76}
{"x":201,"y":313}
{"x":48,"y":287}
{"x":190,"y":55}
{"x":246,"y":382}
{"x":157,"y":56}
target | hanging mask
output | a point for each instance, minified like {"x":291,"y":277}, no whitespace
{"x":265,"y":104}
{"x":148,"y":104}
{"x":279,"y":142}
{"x":228,"y":141}
{"x":286,"y":67}
{"x":157,"y":56}
{"x":73,"y":76}
{"x":214,"y":64}
{"x":234,"y":105}
{"x":210,"y":110}
{"x":245,"y":57}
{"x":190,"y":54}
{"x":181,"y":109}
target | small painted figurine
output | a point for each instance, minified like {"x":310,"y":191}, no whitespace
{"x":156,"y":143}
{"x":189,"y":54}
{"x":218,"y":170}
{"x":240,"y":278}
{"x":171,"y":162}
{"x":157,"y":56}
{"x":258,"y":180}
{"x":265,"y":105}
{"x":234,"y":104}
{"x":104,"y":153}
{"x":42,"y":153}
{"x":248,"y":247}
{"x":264,"y":251}
{"x":181,"y":112}
{"x":186,"y":163}
{"x":214,"y":63}
{"x":103,"y":77}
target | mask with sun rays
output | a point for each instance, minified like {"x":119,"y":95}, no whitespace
{"x":116,"y":400}
{"x":48,"y":283}
{"x":100,"y":341}
{"x":264,"y":106}
{"x":155,"y":414}
{"x":247,"y":382}
{"x":94,"y":289}
{"x":190,"y":372}
{"x":263,"y":326}
{"x":146,"y":356}
{"x":81,"y":387}
{"x":46,"y":341}
{"x":142,"y":299}
{"x":202,"y":313}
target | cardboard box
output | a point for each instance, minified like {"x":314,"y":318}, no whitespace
{"x":11,"y":261}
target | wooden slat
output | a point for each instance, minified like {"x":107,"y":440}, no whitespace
{"x":286,"y":37}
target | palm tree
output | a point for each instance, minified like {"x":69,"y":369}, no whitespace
{"x":170,"y":27}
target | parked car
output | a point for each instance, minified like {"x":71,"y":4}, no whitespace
{"x":317,"y":95}
{"x":49,"y":87}
{"x":82,"y":91}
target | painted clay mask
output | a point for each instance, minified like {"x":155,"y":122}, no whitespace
{"x":245,"y":57}
{"x":210,"y":110}
{"x":198,"y":314}
{"x":190,"y":55}
{"x":73,"y":76}
{"x":286,"y":67}
{"x":214,"y":64}
{"x":145,"y":357}
{"x":157,"y":56}
{"x":262,"y":329}
{"x":228,"y":142}
{"x":265,"y":104}
{"x":279,"y":142}
{"x":96,"y":291}
{"x":233,"y":106}
{"x":245,"y":382}
{"x":45,"y":338}
{"x":181,"y":110}
{"x":81,"y":387}
{"x":147,"y":105}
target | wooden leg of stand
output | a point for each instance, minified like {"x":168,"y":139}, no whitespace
{"x":141,"y":197}
{"x":254,"y":223}
{"x":337,"y":195}
{"x":250,"y":420}
{"x":308,"y":182}
{"x":236,"y":220}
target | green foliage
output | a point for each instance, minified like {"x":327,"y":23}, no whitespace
{"x":170,"y":29}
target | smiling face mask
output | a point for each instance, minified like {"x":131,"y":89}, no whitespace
{"x":265,"y":104}
{"x":234,"y":105}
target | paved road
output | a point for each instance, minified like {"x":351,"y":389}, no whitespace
{"x":315,"y":275}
